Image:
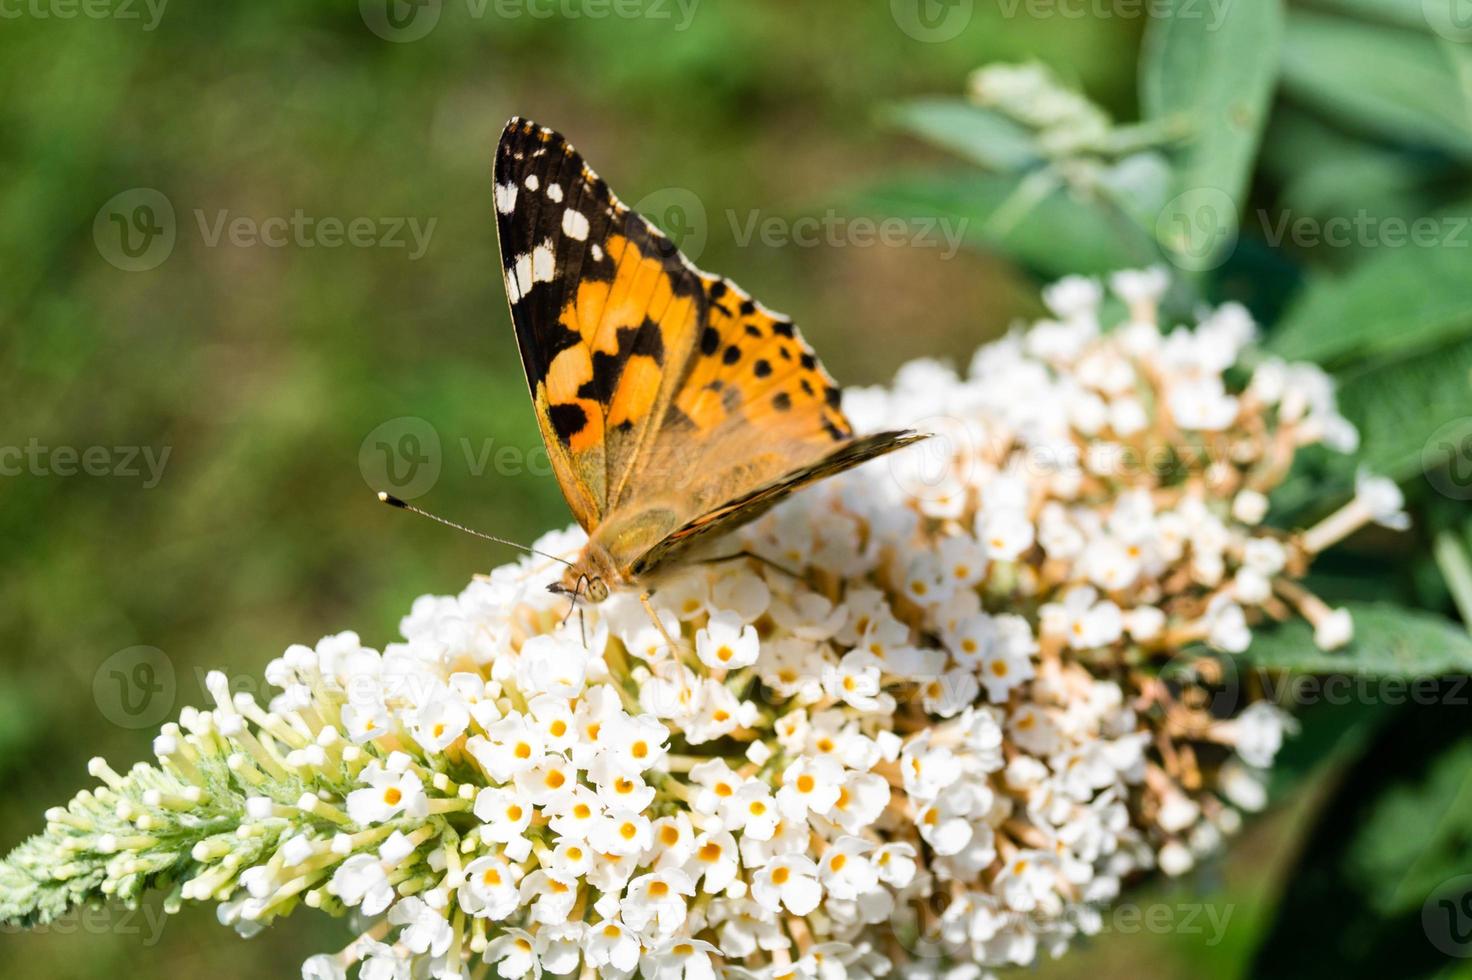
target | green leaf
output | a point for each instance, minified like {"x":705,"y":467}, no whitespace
{"x":1402,"y":13}
{"x":1363,"y":900}
{"x":1216,"y":71}
{"x":973,"y":132}
{"x":1056,"y":234}
{"x":1412,"y":413}
{"x":1399,"y":301}
{"x":1397,"y":83}
{"x":1389,"y":642}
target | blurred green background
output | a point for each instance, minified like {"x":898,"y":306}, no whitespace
{"x":274,"y":377}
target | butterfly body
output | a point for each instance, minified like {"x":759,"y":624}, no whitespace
{"x":674,"y":407}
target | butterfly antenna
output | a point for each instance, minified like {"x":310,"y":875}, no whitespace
{"x":393,"y":501}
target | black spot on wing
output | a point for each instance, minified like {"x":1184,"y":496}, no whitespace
{"x":710,"y":341}
{"x":783,"y":328}
{"x":644,"y":340}
{"x":781,"y":401}
{"x":762,"y":367}
{"x":732,"y":355}
{"x":567,"y":420}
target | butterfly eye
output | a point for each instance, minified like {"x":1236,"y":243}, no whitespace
{"x":597,"y":591}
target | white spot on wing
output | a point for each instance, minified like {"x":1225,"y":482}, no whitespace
{"x":544,"y":264}
{"x":597,"y":252}
{"x":505,"y":198}
{"x":554,"y":193}
{"x":575,"y":225}
{"x":532,"y":183}
{"x":523,"y":274}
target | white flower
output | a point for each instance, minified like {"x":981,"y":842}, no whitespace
{"x":425,"y":929}
{"x":1334,"y":630}
{"x":714,"y":861}
{"x":490,"y":888}
{"x":657,"y":899}
{"x":439,"y":722}
{"x":514,"y":954}
{"x":622,"y":832}
{"x":809,"y":785}
{"x":611,"y":944}
{"x":1382,"y":498}
{"x":362,"y":881}
{"x":681,"y":959}
{"x":1006,"y":533}
{"x":548,"y":665}
{"x":727,"y":642}
{"x":791,"y":881}
{"x":1258,"y":732}
{"x":387,"y":795}
{"x":1202,"y":404}
{"x":549,"y":895}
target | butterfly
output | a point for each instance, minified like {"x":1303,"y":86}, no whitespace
{"x":674,"y":407}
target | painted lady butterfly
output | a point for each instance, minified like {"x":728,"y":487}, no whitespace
{"x":673,"y":405}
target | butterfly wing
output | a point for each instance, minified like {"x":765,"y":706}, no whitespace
{"x":673,"y":405}
{"x":602,"y":305}
{"x":754,"y":503}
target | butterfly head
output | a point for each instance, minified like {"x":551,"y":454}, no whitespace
{"x":587,"y":577}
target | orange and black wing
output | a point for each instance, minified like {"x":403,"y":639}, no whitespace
{"x":660,"y":389}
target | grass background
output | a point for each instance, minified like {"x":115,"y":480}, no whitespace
{"x":262,"y":370}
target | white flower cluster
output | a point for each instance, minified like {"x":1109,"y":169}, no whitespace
{"x":928,"y":728}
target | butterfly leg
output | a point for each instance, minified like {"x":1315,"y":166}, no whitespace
{"x":576,"y":591}
{"x":658,"y":624}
